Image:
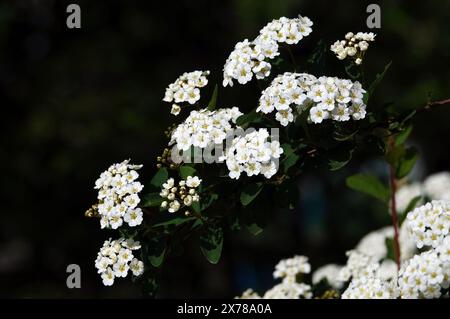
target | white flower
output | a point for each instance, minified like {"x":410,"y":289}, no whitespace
{"x":317,"y":114}
{"x":289,"y":290}
{"x":185,"y":89}
{"x":251,"y":57}
{"x":329,"y":272}
{"x":115,"y":258}
{"x":108,"y":277}
{"x":185,"y":194}
{"x":203,"y":128}
{"x":405,"y":194}
{"x":437,"y":186}
{"x":174,"y":206}
{"x":252,"y":154}
{"x":133,"y":217}
{"x":118,"y":193}
{"x":354,"y":46}
{"x":430,"y":223}
{"x":193,"y":181}
{"x":175,"y":109}
{"x":290,"y":94}
{"x":288,"y":269}
{"x":423,"y":276}
{"x":137,"y":267}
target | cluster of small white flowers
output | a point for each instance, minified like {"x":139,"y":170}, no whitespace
{"x":249,"y":294}
{"x":289,"y":290}
{"x":290,"y":94}
{"x":374,"y":243}
{"x":354,"y":46}
{"x":288,"y":269}
{"x":183,"y":195}
{"x":201,"y":128}
{"x":437,"y":186}
{"x":370,"y":286}
{"x":430,"y":223}
{"x":118,"y":195}
{"x":424,"y":275}
{"x":250,"y":57}
{"x":329,"y":272}
{"x":185,"y":89}
{"x":253,"y":154}
{"x":405,"y":194}
{"x":116,"y":258}
{"x":357,"y":264}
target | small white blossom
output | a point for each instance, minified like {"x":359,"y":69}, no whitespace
{"x":290,"y":94}
{"x":252,"y":154}
{"x":250,"y":57}
{"x":115,"y":258}
{"x":430,"y":223}
{"x":203,"y":128}
{"x":118,"y":195}
{"x":185,"y":89}
{"x":354,"y":46}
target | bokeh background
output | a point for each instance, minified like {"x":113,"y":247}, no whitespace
{"x":75,"y":101}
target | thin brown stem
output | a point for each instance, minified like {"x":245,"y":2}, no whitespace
{"x":434,"y":104}
{"x":393,"y":183}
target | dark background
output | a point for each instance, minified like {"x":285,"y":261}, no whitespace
{"x":75,"y":101}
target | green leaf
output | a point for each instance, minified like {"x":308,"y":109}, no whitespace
{"x":151,"y":200}
{"x":403,"y":135}
{"x":390,"y":248}
{"x":171,"y":220}
{"x":344,"y":137}
{"x":340,"y":157}
{"x":407,"y":162}
{"x":213,"y":101}
{"x":378,"y":79}
{"x":290,"y":157}
{"x":186,"y":171}
{"x":160,"y":177}
{"x":412,"y":204}
{"x":211,"y":242}
{"x":317,"y":59}
{"x":250,"y":192}
{"x":156,"y":250}
{"x":370,"y":185}
{"x":150,"y":282}
{"x":247,"y":118}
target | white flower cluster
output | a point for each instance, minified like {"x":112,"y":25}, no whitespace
{"x":290,"y":94}
{"x":405,"y":195}
{"x":369,"y":285}
{"x":430,"y":223}
{"x":437,"y":186}
{"x":250,"y":57}
{"x":289,"y":290}
{"x":118,"y":195}
{"x":354,"y":46}
{"x":253,"y":154}
{"x":183,"y":195}
{"x":374,"y":243}
{"x":288,"y":269}
{"x":426,"y":274}
{"x":116,"y":258}
{"x":201,"y":128}
{"x":185,"y":89}
{"x":329,"y":272}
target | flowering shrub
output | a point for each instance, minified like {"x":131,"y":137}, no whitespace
{"x":318,"y":120}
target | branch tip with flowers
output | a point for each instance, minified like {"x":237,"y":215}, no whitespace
{"x":224,"y":166}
